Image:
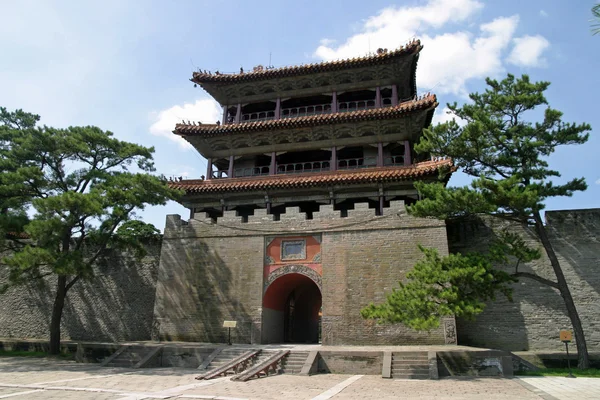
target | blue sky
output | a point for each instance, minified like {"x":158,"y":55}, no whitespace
{"x":125,"y":65}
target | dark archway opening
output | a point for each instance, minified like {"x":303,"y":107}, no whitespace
{"x":291,"y":310}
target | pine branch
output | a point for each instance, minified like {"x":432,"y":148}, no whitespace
{"x":535,"y":277}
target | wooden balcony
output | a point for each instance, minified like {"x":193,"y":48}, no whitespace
{"x":309,"y":166}
{"x":315,"y":109}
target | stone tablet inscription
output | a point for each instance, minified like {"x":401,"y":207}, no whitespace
{"x":293,"y":250}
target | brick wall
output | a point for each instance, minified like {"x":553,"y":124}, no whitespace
{"x":116,"y":305}
{"x":212,"y":271}
{"x":537,"y":314}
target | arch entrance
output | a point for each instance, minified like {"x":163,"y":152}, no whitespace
{"x":291,"y":310}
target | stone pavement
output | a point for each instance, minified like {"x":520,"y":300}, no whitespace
{"x":28,"y":378}
{"x":557,"y":387}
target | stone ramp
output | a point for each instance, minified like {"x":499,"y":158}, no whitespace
{"x":234,"y":366}
{"x":268,"y":364}
{"x":223,"y":356}
{"x":410,"y":365}
{"x":130,"y":356}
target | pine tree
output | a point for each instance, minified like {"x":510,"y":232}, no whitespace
{"x":506,"y":155}
{"x":80,"y":199}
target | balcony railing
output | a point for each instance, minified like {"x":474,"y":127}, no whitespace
{"x":294,"y":112}
{"x":345,"y":106}
{"x":310,"y":166}
{"x":353,"y":163}
{"x":251,"y":171}
{"x":298,"y":168}
{"x":258,"y":116}
{"x":393,"y":160}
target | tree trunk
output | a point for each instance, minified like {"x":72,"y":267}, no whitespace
{"x":582,"y":353}
{"x":57,"y":309}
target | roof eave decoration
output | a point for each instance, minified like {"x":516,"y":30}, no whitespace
{"x":412,"y":48}
{"x":270,"y":182}
{"x":425,"y":102}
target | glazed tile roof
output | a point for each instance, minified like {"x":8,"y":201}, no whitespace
{"x":270,"y":182}
{"x":423,"y":103}
{"x":18,"y":235}
{"x":411,"y":48}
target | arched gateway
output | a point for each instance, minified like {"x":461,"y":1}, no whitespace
{"x":291,"y":306}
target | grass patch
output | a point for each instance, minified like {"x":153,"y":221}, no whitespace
{"x":38,"y":354}
{"x":584,"y":373}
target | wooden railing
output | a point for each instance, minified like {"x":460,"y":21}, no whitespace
{"x":353,"y":163}
{"x":252,"y":171}
{"x":298,"y":168}
{"x":344,"y":106}
{"x":315,"y":109}
{"x":258,"y":116}
{"x":393,"y":160}
{"x":303,"y":111}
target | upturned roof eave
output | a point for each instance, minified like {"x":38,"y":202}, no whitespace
{"x":319,"y":179}
{"x":427,"y":102}
{"x":411,"y":49}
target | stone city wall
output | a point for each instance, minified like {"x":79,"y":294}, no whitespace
{"x":116,"y":305}
{"x":537,"y":314}
{"x":211,"y":271}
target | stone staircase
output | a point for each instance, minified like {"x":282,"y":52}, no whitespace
{"x":128,"y":357}
{"x":225,"y":356}
{"x":410,"y":365}
{"x":293,"y":362}
{"x":262,"y":357}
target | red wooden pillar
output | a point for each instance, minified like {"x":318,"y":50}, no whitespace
{"x":224,"y":121}
{"x":230,"y":169}
{"x":334,"y":105}
{"x":377,"y":97}
{"x":333,"y":163}
{"x":209,"y":168}
{"x":278,"y":108}
{"x":238,"y":114}
{"x":273,"y":166}
{"x":407,"y":160}
{"x":380,"y":154}
{"x":394,"y":95}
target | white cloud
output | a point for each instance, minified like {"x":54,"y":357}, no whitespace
{"x":597,"y":181}
{"x":528,"y":51}
{"x":393,"y":27}
{"x":206,"y":111}
{"x":543,"y":13}
{"x":450,"y":59}
{"x":445,"y":115}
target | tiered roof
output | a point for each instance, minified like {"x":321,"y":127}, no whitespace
{"x":412,"y":48}
{"x":316,"y":179}
{"x":209,"y":130}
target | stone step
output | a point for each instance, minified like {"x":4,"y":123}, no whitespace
{"x":410,"y":371}
{"x":293,"y":364}
{"x":409,"y":363}
{"x":410,"y":366}
{"x":410,"y":376}
{"x":420,"y":360}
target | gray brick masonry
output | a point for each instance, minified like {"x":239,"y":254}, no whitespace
{"x":116,"y":305}
{"x":537,"y":314}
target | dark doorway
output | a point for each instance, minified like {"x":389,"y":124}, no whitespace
{"x":291,"y":310}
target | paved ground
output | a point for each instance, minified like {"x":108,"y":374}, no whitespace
{"x":27,"y":378}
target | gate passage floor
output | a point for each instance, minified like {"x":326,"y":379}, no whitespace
{"x":31,"y":378}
